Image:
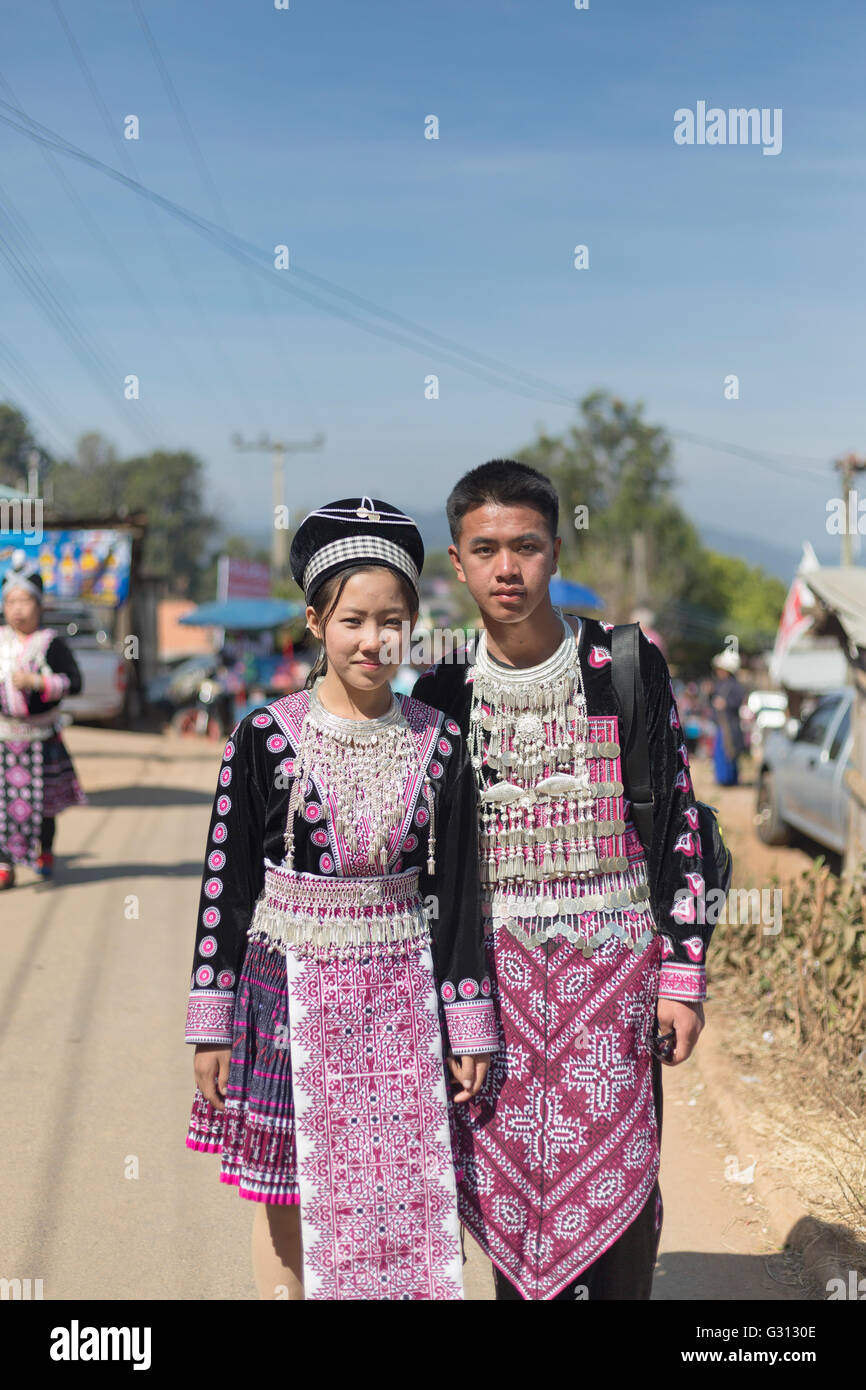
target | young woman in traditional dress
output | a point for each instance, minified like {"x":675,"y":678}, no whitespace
{"x":37,"y":778}
{"x":339,"y":923}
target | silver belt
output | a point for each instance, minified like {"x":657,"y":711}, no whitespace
{"x":337,"y":916}
{"x":27,"y":730}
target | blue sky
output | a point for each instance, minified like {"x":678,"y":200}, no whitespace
{"x":556,"y":128}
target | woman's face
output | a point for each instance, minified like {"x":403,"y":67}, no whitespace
{"x":21,"y":610}
{"x":364,"y":636}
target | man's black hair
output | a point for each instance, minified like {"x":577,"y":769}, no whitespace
{"x":506,"y":483}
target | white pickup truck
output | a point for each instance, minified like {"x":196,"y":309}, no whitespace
{"x":104,"y":674}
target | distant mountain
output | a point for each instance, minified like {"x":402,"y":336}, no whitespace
{"x":434,"y":529}
{"x":432,"y":525}
{"x":780,"y":558}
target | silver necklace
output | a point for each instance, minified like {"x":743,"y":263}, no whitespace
{"x":366,"y":765}
{"x":529,"y":727}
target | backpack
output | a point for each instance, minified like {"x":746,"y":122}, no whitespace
{"x":628,"y":687}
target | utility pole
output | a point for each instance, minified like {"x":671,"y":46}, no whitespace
{"x":639,"y":567}
{"x":34,"y":461}
{"x":848,"y":466}
{"x":278,"y":449}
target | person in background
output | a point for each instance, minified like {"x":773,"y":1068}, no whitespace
{"x":728,"y":695}
{"x":37,"y":778}
{"x":687,"y":700}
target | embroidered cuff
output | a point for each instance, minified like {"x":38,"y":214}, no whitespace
{"x":471,"y":1027}
{"x":209,"y":1016}
{"x":678,"y":981}
{"x":56,"y":685}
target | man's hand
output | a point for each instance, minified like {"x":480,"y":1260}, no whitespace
{"x":685,"y":1021}
{"x":470,"y":1072}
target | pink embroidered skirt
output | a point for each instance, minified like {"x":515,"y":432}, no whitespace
{"x":355,"y":1127}
{"x":255,"y":1134}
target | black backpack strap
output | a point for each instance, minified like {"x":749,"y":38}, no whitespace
{"x":634,"y":747}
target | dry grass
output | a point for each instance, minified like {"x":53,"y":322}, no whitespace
{"x":804,"y":994}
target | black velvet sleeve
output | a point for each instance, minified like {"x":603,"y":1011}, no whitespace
{"x":64,"y":677}
{"x":232,"y":879}
{"x":675,"y":867}
{"x":454,"y":896}
{"x":444,"y":687}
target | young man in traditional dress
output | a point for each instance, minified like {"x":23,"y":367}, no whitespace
{"x":597,"y":961}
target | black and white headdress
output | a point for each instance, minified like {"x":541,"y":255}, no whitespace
{"x":23,"y":573}
{"x":353,"y":531}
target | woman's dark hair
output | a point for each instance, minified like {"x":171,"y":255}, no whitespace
{"x":327,"y":597}
{"x":507,"y":483}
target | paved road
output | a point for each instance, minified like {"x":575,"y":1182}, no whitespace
{"x":100,"y":1197}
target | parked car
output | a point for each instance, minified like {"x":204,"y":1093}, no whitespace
{"x":801,"y":776}
{"x":764,"y":710}
{"x":104,"y":673}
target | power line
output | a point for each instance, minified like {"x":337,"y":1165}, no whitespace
{"x":181,"y":116}
{"x":122,"y":269}
{"x":32,"y":274}
{"x":19,"y":367}
{"x":767,"y":460}
{"x":263,"y":306}
{"x":124,"y":153}
{"x":254,"y":259}
{"x":65,"y":437}
{"x":278,"y":448}
{"x":15,"y":252}
{"x":476,"y":364}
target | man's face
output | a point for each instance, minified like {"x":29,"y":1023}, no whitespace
{"x":505,"y":555}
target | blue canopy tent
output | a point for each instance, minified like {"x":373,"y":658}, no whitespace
{"x":244,"y":614}
{"x":564,"y":592}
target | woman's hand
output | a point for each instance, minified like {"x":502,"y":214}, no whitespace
{"x":211,"y":1065}
{"x":27,"y":680}
{"x":470,"y":1073}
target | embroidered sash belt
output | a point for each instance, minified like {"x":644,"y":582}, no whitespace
{"x":340,"y":916}
{"x":35,"y":726}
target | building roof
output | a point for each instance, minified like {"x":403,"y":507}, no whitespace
{"x":843,"y":590}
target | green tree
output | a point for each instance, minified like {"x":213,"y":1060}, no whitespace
{"x":16,"y":442}
{"x":638,"y":547}
{"x":181,"y":534}
{"x":632,"y":543}
{"x":753,"y":600}
{"x":92,"y":483}
{"x":167,"y":486}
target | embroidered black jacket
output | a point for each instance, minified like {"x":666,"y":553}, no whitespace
{"x":247,"y":826}
{"x":674,"y":864}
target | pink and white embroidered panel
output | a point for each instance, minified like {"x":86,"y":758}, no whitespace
{"x":21,"y":799}
{"x":560,"y":1151}
{"x":375,"y":1169}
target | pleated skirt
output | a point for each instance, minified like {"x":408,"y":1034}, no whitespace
{"x":255,"y":1134}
